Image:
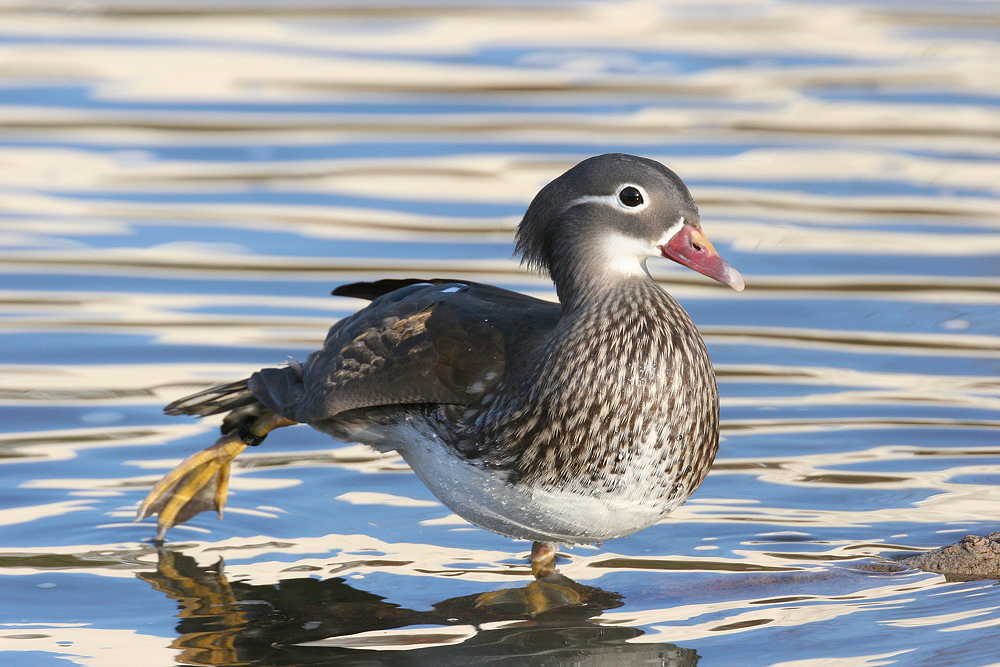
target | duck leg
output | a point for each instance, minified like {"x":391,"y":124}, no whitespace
{"x":543,"y":559}
{"x":549,"y":590}
{"x":201,"y":481}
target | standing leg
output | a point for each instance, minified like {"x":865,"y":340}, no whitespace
{"x":543,"y":559}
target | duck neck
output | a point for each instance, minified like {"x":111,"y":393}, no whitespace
{"x":594,"y":274}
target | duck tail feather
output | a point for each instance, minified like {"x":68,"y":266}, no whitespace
{"x":212,"y":401}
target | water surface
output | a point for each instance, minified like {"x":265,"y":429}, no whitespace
{"x":181,"y":186}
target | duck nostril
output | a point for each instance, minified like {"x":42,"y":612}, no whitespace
{"x":697,"y":246}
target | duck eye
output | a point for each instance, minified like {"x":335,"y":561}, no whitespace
{"x":630,"y":196}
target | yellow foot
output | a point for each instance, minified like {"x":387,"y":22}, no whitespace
{"x":537,"y":597}
{"x":198,"y":484}
{"x":201,"y":481}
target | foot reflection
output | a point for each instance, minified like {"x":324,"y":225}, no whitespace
{"x":309,"y":621}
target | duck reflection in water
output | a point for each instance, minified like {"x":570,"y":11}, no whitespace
{"x":307,"y":621}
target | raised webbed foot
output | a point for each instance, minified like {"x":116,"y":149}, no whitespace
{"x":201,"y":482}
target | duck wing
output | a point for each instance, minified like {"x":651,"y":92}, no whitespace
{"x":418,"y":342}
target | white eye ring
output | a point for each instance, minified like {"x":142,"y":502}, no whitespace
{"x":642,"y":195}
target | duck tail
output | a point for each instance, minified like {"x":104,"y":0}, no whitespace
{"x":234,"y":398}
{"x":276,"y":389}
{"x":212,"y":401}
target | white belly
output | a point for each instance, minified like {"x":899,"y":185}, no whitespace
{"x":483,"y":497}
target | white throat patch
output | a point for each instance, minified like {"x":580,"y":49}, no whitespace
{"x":627,"y":255}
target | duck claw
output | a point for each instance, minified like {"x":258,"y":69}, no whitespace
{"x":200,"y":483}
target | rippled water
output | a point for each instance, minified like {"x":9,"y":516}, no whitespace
{"x":181,"y":185}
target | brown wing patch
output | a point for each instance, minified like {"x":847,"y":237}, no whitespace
{"x":421,"y":344}
{"x":414,"y":325}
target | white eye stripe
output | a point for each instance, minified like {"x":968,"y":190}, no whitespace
{"x":607,"y":200}
{"x":613,"y":201}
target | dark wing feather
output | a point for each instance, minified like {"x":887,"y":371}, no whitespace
{"x":423,"y":342}
{"x":373,"y":290}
